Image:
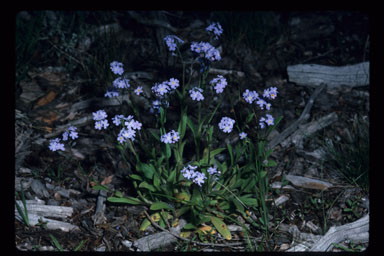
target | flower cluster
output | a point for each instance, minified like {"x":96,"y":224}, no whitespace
{"x":195,"y":176}
{"x":100,"y":118}
{"x":268,"y":119}
{"x":270,"y":93}
{"x":226,"y":124}
{"x":129,"y":129}
{"x":196,"y":93}
{"x":56,"y":145}
{"x":170,"y":137}
{"x":111,"y":92}
{"x":71,"y":132}
{"x":213,"y":170}
{"x":209,"y":52}
{"x":117,"y":67}
{"x":172,"y":41}
{"x":163,"y":88}
{"x":121,"y":83}
{"x":250,"y":96}
{"x":220,"y":83}
{"x":215,"y":28}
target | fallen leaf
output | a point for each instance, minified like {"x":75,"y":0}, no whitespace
{"x":46,"y":99}
{"x":107,"y":180}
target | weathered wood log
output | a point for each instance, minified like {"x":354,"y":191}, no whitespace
{"x":314,"y":75}
{"x":297,"y":138}
{"x":305,"y":182}
{"x":357,"y":231}
{"x":154,"y":241}
{"x":49,"y":223}
{"x":46,"y":210}
{"x":224,"y":72}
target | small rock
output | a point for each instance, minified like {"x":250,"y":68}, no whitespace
{"x":127,"y":243}
{"x":281,"y":199}
{"x":52,"y":202}
{"x":39,"y":188}
{"x":284,"y":247}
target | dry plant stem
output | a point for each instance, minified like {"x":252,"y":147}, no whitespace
{"x":188,"y":240}
{"x":303,"y":117}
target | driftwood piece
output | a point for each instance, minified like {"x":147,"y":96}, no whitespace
{"x":99,"y":217}
{"x":49,"y":223}
{"x":357,"y":231}
{"x":305,"y":130}
{"x":154,"y":241}
{"x":46,"y":210}
{"x":224,"y":72}
{"x":303,"y":117}
{"x":314,"y":75}
{"x":304,"y":182}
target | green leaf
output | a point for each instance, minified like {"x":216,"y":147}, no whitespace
{"x":189,"y":226}
{"x":100,"y":187}
{"x":249,"y":201}
{"x":269,"y":163}
{"x":230,"y":152}
{"x":182,"y":125}
{"x":125,"y":200}
{"x":160,"y":205}
{"x":262,"y":174}
{"x":192,"y":127}
{"x":154,"y":134}
{"x":156,"y":181}
{"x":147,"y":169}
{"x":144,"y":184}
{"x":237,"y":204}
{"x":163,"y":118}
{"x":168,"y":151}
{"x":135,"y":177}
{"x":145,"y":224}
{"x":249,"y":117}
{"x":56,"y":243}
{"x":172,"y":177}
{"x":221,"y":227}
{"x":118,"y":193}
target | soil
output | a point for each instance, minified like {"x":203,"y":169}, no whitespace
{"x":59,"y":75}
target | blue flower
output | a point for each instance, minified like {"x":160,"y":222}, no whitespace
{"x":55,"y":145}
{"x":170,"y":137}
{"x":270,"y":93}
{"x":121,"y":83}
{"x":209,"y":52}
{"x":117,"y":67}
{"x":138,"y":90}
{"x":250,"y":96}
{"x":215,"y":28}
{"x":99,"y":115}
{"x":243,"y":135}
{"x":196,"y":93}
{"x":173,"y":83}
{"x":226,"y":124}
{"x":219,"y":82}
{"x":172,"y":41}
